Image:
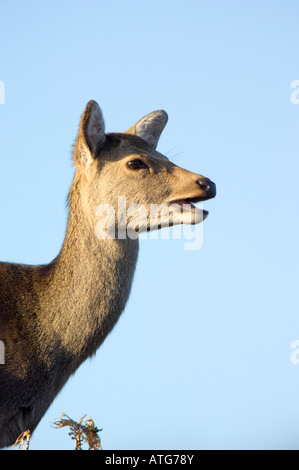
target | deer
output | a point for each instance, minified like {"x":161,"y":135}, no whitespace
{"x":54,"y":316}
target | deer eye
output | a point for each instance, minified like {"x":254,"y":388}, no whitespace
{"x":136,"y":165}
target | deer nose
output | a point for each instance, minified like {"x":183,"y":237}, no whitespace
{"x":207,"y":186}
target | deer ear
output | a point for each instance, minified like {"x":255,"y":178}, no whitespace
{"x":91,"y":135}
{"x":150,"y":127}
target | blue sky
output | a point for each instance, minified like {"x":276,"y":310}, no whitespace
{"x":201,"y":357}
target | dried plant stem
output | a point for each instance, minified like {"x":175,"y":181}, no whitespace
{"x":20,"y":441}
{"x":81,"y":432}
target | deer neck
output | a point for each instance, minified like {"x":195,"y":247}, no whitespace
{"x":88,"y":283}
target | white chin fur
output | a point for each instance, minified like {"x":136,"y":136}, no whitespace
{"x":187,"y":214}
{"x":177,"y":214}
{"x":138,"y":220}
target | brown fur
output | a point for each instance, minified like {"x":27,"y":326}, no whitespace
{"x":52,"y":317}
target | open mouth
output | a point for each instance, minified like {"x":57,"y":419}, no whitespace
{"x":189,"y":203}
